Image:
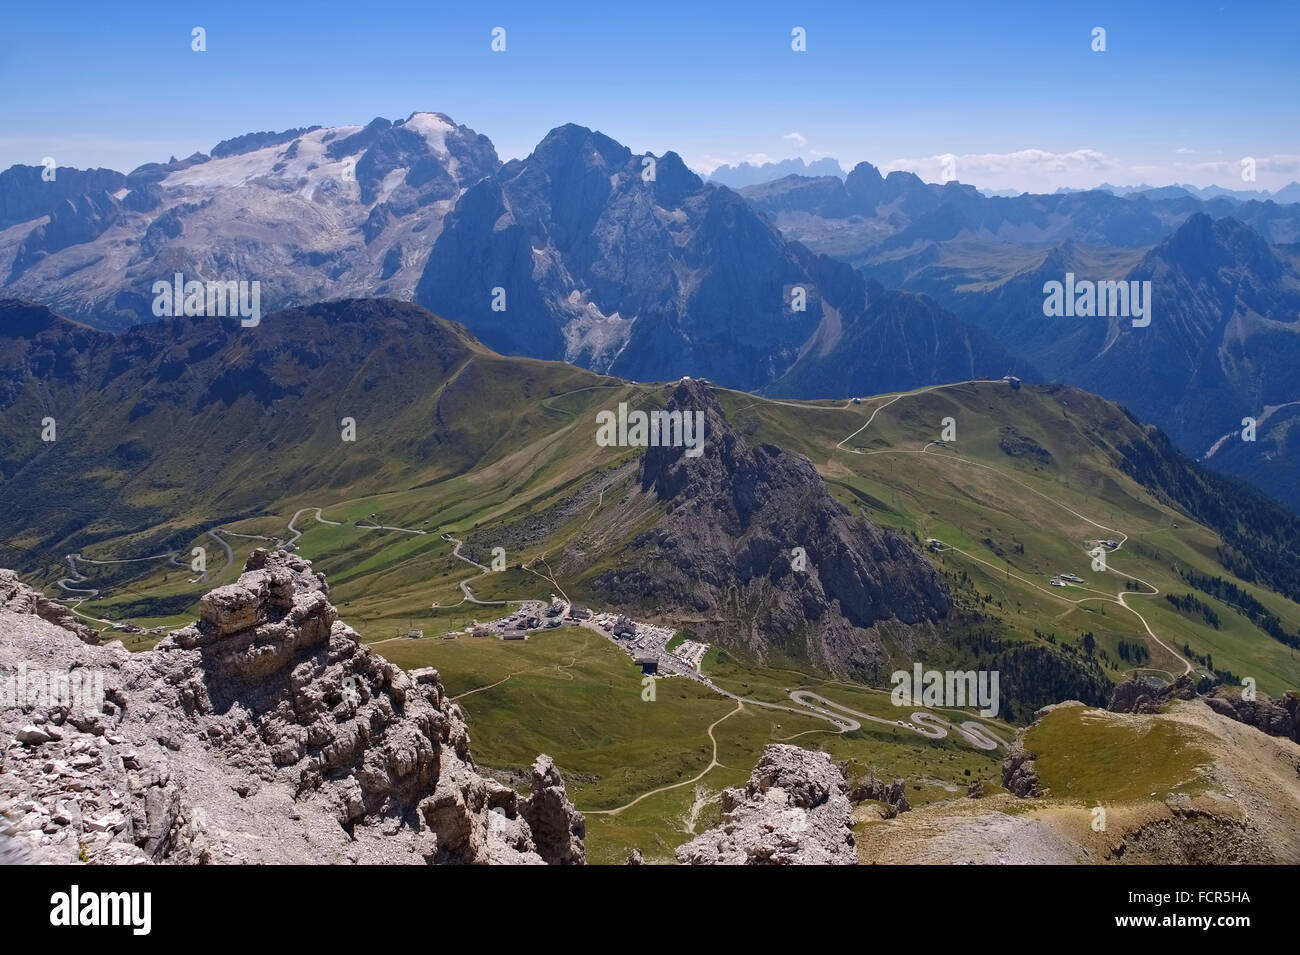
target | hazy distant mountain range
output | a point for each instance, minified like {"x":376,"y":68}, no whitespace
{"x":633,"y":265}
{"x":747,"y":174}
{"x":1288,"y":193}
{"x":752,"y":174}
{"x":868,"y":217}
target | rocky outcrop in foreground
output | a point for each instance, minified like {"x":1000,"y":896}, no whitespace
{"x":794,"y":811}
{"x":558,"y":829}
{"x":264,"y":733}
{"x":1279,"y":717}
{"x":17,"y":597}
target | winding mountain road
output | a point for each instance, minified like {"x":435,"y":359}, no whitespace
{"x":925,"y":722}
{"x":319,"y":519}
{"x":464,"y":584}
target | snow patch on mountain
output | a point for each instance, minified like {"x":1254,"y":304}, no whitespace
{"x":434,"y":127}
{"x":303,"y":159}
{"x":304,"y":223}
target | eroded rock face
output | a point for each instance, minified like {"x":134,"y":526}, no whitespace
{"x":892,"y":794}
{"x":1148,"y":696}
{"x":752,"y":536}
{"x":1020,"y":770}
{"x":264,"y":732}
{"x":1276,"y":717}
{"x":17,"y":597}
{"x":558,"y":829}
{"x":1280,"y":717}
{"x":794,"y":811}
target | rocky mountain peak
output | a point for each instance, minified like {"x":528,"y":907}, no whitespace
{"x":864,"y":181}
{"x":813,"y":579}
{"x":571,"y":144}
{"x":1205,"y":247}
{"x":667,"y":468}
{"x":674,"y":181}
{"x":383,"y":188}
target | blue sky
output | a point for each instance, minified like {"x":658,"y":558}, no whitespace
{"x":1014,"y":91}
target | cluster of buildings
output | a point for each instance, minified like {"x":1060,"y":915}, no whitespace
{"x":645,"y":643}
{"x":1064,"y":580}
{"x":531,"y":615}
{"x":624,"y":630}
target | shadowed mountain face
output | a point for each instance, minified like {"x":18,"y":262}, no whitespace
{"x":752,"y":542}
{"x":646,"y":279}
{"x":575,"y":253}
{"x":898,"y":340}
{"x":26,"y":193}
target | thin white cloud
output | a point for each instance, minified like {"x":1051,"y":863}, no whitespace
{"x":1029,"y":169}
{"x":1278,"y":165}
{"x":1040,"y":170}
{"x":797,"y":138}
